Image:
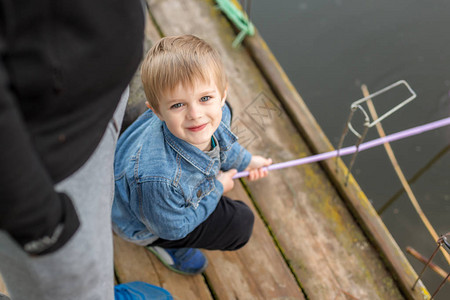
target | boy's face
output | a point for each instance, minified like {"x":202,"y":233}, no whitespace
{"x":193,"y":114}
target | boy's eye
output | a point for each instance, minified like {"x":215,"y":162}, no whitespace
{"x":205,"y":98}
{"x":177,"y":105}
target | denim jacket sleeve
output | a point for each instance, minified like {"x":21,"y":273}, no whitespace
{"x":168,"y":214}
{"x":237,"y":157}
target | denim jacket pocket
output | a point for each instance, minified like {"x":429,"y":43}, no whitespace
{"x":201,"y":191}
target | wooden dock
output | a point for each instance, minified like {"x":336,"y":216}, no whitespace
{"x":313,"y":238}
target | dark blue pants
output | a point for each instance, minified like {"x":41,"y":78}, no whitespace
{"x":229,"y":227}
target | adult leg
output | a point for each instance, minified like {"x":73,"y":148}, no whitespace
{"x":229,"y":227}
{"x":83,"y":268}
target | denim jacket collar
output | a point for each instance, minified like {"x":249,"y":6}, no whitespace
{"x":195,"y":156}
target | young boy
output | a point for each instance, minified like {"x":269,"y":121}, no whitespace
{"x":175,"y":162}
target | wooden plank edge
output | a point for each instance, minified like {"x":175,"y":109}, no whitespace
{"x":258,"y":212}
{"x":352,"y":194}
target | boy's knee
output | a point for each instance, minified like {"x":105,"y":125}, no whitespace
{"x":247,"y":219}
{"x":243,"y":226}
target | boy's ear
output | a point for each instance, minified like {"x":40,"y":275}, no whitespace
{"x":150,"y":107}
{"x":225,"y":93}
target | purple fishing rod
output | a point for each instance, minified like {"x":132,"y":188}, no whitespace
{"x":352,"y":149}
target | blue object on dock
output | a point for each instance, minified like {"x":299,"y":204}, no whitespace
{"x":138,"y":290}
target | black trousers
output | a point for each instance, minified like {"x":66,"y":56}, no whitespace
{"x":229,"y":227}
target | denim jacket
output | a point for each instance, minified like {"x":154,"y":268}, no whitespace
{"x":164,"y":186}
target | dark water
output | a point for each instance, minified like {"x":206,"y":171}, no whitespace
{"x":329,"y":49}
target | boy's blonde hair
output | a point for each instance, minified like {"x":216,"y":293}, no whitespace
{"x":184,"y":59}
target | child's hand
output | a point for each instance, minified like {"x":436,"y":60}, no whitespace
{"x":226,"y":178}
{"x":255,"y":168}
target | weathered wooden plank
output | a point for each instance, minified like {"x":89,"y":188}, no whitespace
{"x":326,"y":248}
{"x":351,"y":193}
{"x":133,"y":262}
{"x":256,"y":271}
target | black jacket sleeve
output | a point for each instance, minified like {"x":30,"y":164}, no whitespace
{"x":63,"y":66}
{"x":26,"y":188}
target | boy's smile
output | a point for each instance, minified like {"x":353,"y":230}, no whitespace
{"x":197,"y":128}
{"x":193,"y":114}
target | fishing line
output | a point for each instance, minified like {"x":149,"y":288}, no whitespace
{"x":352,"y":149}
